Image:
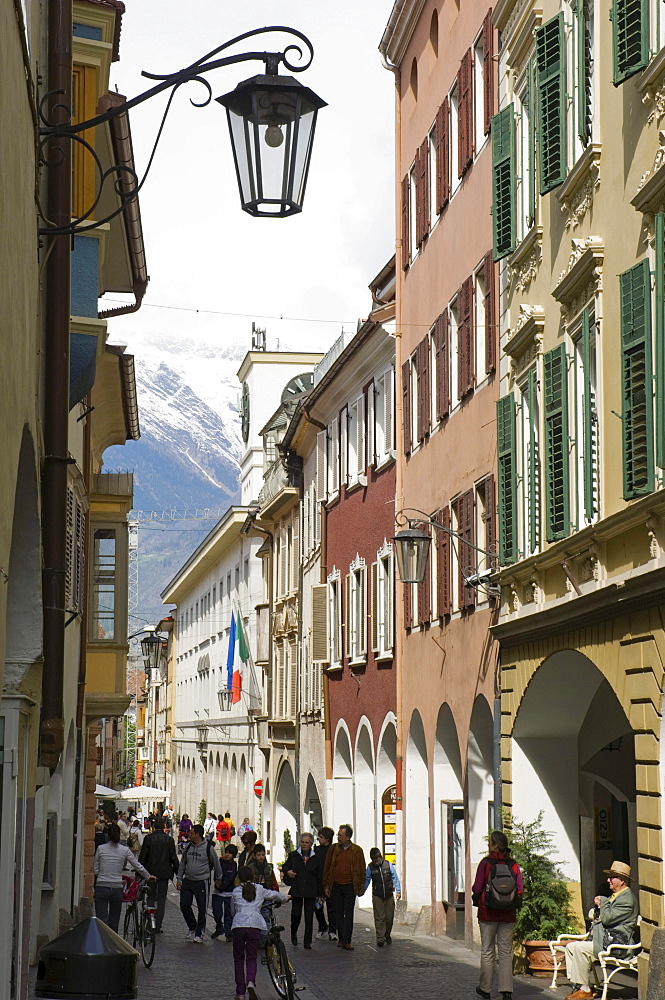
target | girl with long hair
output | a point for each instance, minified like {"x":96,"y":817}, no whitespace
{"x":247,"y":928}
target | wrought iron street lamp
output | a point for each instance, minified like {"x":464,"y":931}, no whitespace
{"x":271,"y":119}
{"x":151,"y":647}
{"x":412,"y":547}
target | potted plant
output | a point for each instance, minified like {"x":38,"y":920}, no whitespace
{"x":546,"y":907}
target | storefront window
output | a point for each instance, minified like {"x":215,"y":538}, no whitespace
{"x":104,"y":585}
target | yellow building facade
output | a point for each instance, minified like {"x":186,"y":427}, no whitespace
{"x":578,"y":203}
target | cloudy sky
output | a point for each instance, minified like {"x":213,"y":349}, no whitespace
{"x":214,"y":269}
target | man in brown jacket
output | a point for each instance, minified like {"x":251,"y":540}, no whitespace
{"x":343,"y":880}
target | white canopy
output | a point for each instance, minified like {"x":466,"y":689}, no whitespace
{"x":103,"y":792}
{"x":141,"y":793}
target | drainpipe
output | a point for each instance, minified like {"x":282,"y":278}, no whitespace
{"x":56,"y":391}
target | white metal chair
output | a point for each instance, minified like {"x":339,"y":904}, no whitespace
{"x":559,"y":945}
{"x":618,"y":958}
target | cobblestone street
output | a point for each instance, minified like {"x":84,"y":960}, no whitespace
{"x":423,"y":967}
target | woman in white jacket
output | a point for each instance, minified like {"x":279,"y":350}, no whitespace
{"x":110,"y":859}
{"x":247,"y":927}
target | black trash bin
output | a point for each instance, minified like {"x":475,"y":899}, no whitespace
{"x":90,"y":960}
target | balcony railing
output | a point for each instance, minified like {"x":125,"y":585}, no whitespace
{"x":116,"y":483}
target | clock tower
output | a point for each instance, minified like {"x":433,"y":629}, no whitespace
{"x":268,"y":379}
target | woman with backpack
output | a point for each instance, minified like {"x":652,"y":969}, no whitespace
{"x":248,"y":926}
{"x":497,"y":892}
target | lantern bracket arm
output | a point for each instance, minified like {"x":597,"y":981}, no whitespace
{"x":127,"y":185}
{"x":405,"y":517}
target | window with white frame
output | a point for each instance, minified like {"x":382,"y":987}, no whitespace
{"x":356,"y":462}
{"x":383,"y":584}
{"x":455,"y":180}
{"x":479,"y":93}
{"x":384,"y":432}
{"x":433,"y":207}
{"x":332,"y":459}
{"x":335,"y":618}
{"x":454,"y":558}
{"x":479,"y":307}
{"x":586,"y":449}
{"x":356,"y":611}
{"x":413,"y":195}
{"x":526,"y":151}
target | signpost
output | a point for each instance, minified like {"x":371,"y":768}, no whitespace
{"x":388,"y":823}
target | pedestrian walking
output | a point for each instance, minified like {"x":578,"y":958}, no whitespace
{"x":385,"y":889}
{"x":184,"y":826}
{"x":221,"y":898}
{"x":263,"y":872}
{"x":248,"y":841}
{"x":158,"y":856}
{"x":245,"y":826}
{"x":209,"y":827}
{"x":198,"y":859}
{"x":497,"y":892}
{"x":110,"y":859}
{"x":323,"y":907}
{"x":301,"y":872}
{"x":123,"y":827}
{"x":222,"y":832}
{"x":247,"y":928}
{"x":135,"y":839}
{"x":343,"y":880}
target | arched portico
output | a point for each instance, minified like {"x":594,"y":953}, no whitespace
{"x":286,"y":808}
{"x":418,"y":885}
{"x":449,"y":821}
{"x":363,"y":782}
{"x":573,"y":758}
{"x":342,"y":779}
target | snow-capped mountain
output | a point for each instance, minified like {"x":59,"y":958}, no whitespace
{"x":188,"y":453}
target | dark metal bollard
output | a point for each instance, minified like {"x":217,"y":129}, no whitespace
{"x":88,"y":961}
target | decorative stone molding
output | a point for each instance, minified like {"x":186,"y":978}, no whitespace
{"x":652,"y":87}
{"x":650,"y":194}
{"x":526,"y":337}
{"x":524,"y":262}
{"x":584,"y":269}
{"x":577,"y":191}
{"x":653,"y":525}
{"x":517,"y":20}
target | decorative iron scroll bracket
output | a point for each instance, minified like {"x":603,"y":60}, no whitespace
{"x":127,"y":184}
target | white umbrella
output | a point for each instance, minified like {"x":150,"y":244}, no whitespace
{"x":103,"y":792}
{"x":140,"y":793}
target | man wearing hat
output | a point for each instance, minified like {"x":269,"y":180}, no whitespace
{"x":617,"y":917}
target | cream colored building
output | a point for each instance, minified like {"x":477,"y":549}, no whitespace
{"x":579,"y":196}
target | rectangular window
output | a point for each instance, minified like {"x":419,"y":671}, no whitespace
{"x":406,"y":406}
{"x":422,"y":191}
{"x":586,"y":421}
{"x":526,"y":148}
{"x":466,"y":553}
{"x":551,"y":83}
{"x":479,"y":320}
{"x":383,"y":418}
{"x":465,"y":113}
{"x":356,"y":441}
{"x":555,"y":393}
{"x":356,"y":614}
{"x":503,"y":182}
{"x":442,"y":363}
{"x":334,"y":621}
{"x":455,"y":161}
{"x":413,"y":212}
{"x":433,"y":177}
{"x":406,"y":223}
{"x":630,"y":37}
{"x":584,"y":30}
{"x":453,"y":362}
{"x":104,"y":584}
{"x":424,"y":389}
{"x":488,"y":71}
{"x":466,"y":361}
{"x":479,"y":91}
{"x":635,"y":312}
{"x":332,"y":459}
{"x":382,"y":605}
{"x":443,"y":155}
{"x":442,"y":541}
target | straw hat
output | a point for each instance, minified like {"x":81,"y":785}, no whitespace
{"x":620,"y":869}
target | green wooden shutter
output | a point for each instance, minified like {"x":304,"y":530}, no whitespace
{"x":557,"y":519}
{"x":638,"y":467}
{"x":533,"y":461}
{"x":660,"y":339}
{"x":630,"y":37}
{"x":506,"y":455}
{"x":551,"y":78}
{"x":587,"y":430}
{"x":583,"y":72}
{"x":503,"y":181}
{"x":531,"y":165}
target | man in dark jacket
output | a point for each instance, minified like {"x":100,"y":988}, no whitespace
{"x":343,"y":880}
{"x":158,"y":856}
{"x":301,"y":873}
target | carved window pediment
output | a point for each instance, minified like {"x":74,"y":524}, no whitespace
{"x":576,"y":193}
{"x":526,"y":336}
{"x":583,"y":270}
{"x":650,"y":196}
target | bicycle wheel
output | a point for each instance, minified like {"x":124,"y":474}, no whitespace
{"x":275,"y":968}
{"x":129,"y":930}
{"x":148,"y":938}
{"x":286,"y":972}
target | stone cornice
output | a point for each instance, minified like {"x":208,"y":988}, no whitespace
{"x":585,"y":258}
{"x":575,"y":195}
{"x":650,"y":195}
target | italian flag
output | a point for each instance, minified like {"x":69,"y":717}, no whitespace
{"x":243,"y":652}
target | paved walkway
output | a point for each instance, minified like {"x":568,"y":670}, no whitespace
{"x":422,"y":967}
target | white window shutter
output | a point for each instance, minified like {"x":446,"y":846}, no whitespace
{"x":388,"y":411}
{"x":334,"y":457}
{"x":361,"y":641}
{"x":349,"y":616}
{"x":293,"y":681}
{"x":320,"y":623}
{"x":389,"y":632}
{"x":346,"y":471}
{"x":371,"y":433}
{"x":361,"y":458}
{"x":295,"y":553}
{"x":70,"y":543}
{"x":280,"y":685}
{"x":79,"y":556}
{"x":375,"y":607}
{"x":320,"y":486}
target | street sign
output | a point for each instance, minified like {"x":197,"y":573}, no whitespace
{"x":389,"y":823}
{"x":258,"y":788}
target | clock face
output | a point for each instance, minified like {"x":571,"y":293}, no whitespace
{"x":244,"y":412}
{"x":297,"y":386}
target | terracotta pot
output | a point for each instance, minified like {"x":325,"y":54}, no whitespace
{"x":539,"y":958}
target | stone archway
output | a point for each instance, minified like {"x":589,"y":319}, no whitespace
{"x":480,"y":779}
{"x":386,"y":769}
{"x":286,"y":808}
{"x":573,"y":759}
{"x":449,"y":819}
{"x":342,"y":780}
{"x":313,"y":812}
{"x":364,"y":791}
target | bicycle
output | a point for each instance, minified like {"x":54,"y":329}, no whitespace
{"x":281,"y":971}
{"x":139,"y":926}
